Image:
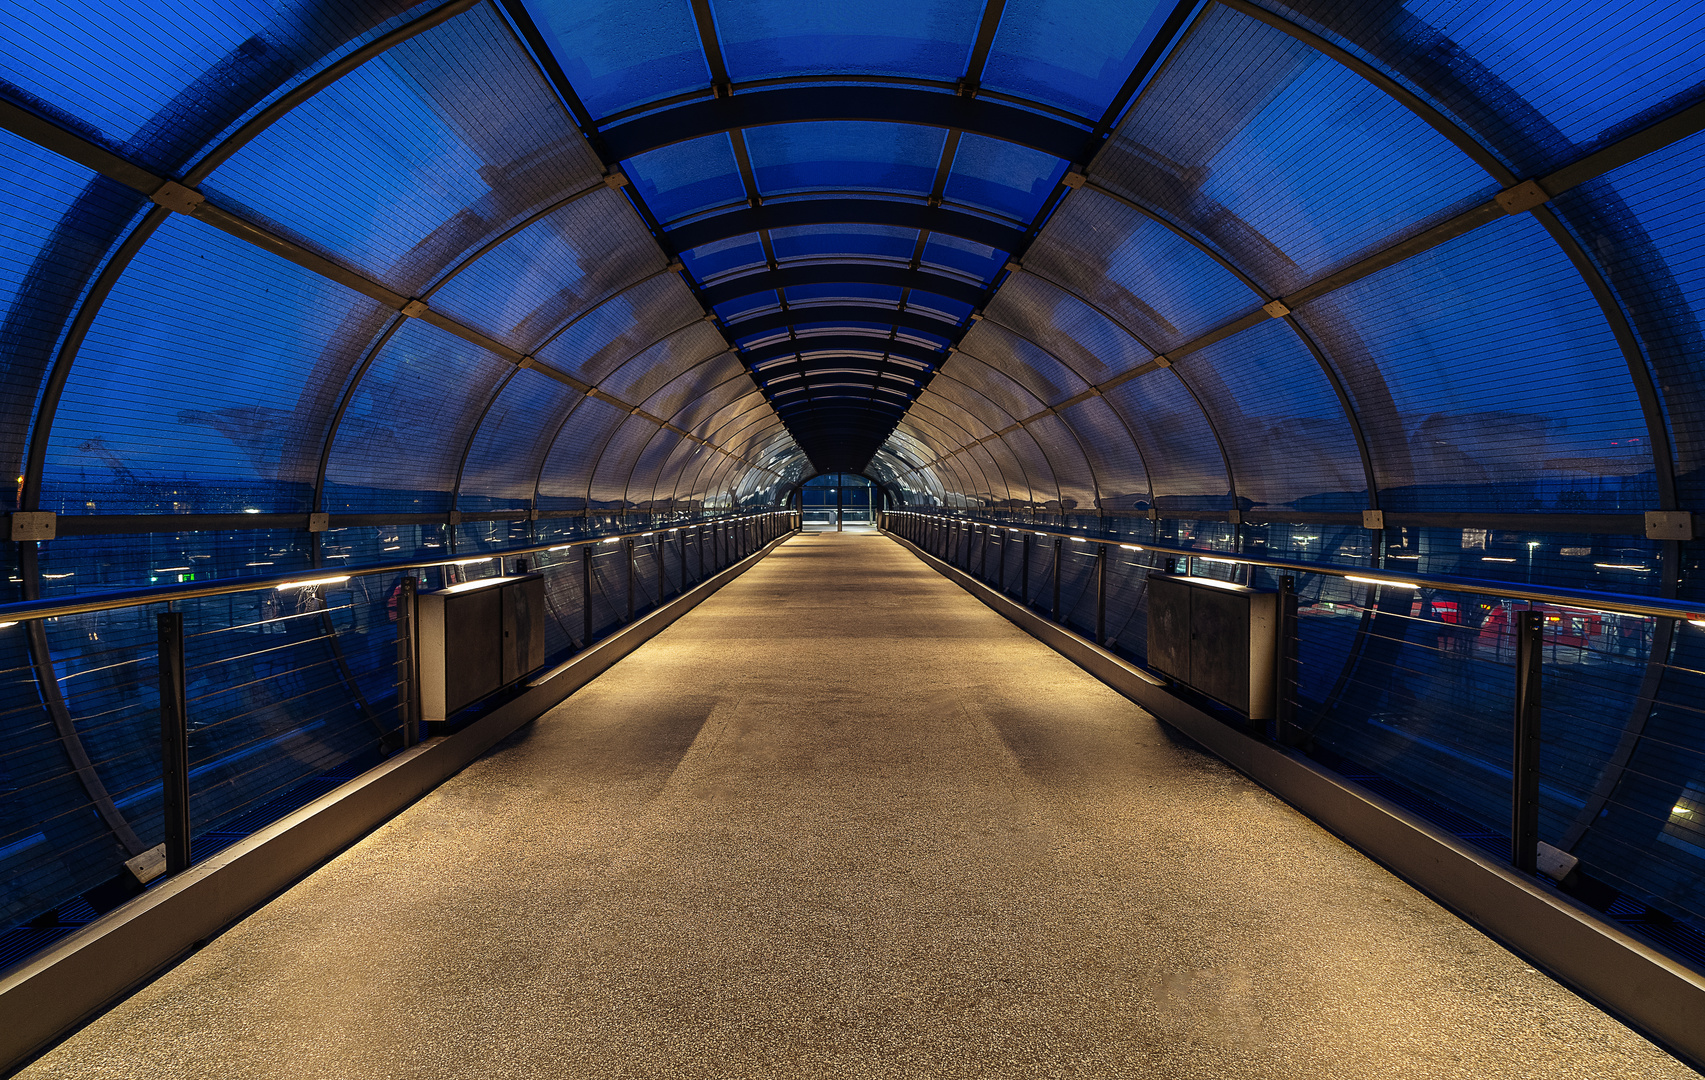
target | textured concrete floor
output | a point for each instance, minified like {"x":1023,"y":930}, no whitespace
{"x":843,"y":820}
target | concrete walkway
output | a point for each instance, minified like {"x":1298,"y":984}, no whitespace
{"x":844,"y":821}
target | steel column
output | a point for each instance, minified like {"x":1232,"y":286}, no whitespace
{"x":1524,"y":786}
{"x":174,"y":739}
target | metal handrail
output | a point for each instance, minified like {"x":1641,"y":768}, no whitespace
{"x":1617,"y":603}
{"x":26,"y":610}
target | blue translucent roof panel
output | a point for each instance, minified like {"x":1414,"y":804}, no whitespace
{"x":1073,"y":56}
{"x":742,"y":306}
{"x":845,"y":155}
{"x":857,"y":241}
{"x":622,"y":53}
{"x":964,"y":256}
{"x":841,"y":290}
{"x":687,"y":177}
{"x":926,"y":39}
{"x":926,"y":301}
{"x":1003,"y":177}
{"x":724,"y":256}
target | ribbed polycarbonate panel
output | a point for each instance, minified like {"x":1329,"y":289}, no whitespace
{"x":924,"y":39}
{"x":966,"y":425}
{"x":1286,"y":433}
{"x":660,"y":495}
{"x":1183,"y":458}
{"x":1072,"y":56}
{"x":568,"y":468}
{"x":1540,"y":83}
{"x":206,"y":384}
{"x":1161,"y":287}
{"x":1001,"y":177}
{"x":722,"y":423}
{"x":996,"y":490}
{"x":503,"y":463}
{"x":1012,"y":401}
{"x":934,"y":430}
{"x":1120,"y":474}
{"x":1022,"y":361}
{"x":52,"y":245}
{"x":841,"y":155}
{"x":641,"y":482}
{"x":689,"y":493}
{"x":692,"y":383}
{"x":552,"y":271}
{"x":400,"y":441}
{"x":160,"y":89}
{"x":701,"y":417}
{"x":1285,"y":160}
{"x":1643,"y":226}
{"x":1486,"y":379}
{"x":712,"y":260}
{"x":1085,"y":340}
{"x":416,"y":158}
{"x":609,"y":335}
{"x":648,"y":371}
{"x":1043,"y":484}
{"x":1072,"y":472}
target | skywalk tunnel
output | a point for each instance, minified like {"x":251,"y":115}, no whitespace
{"x":1379,"y":322}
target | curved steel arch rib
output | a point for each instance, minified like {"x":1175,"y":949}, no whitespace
{"x":806,"y":212}
{"x":838,"y":273}
{"x":891,"y":104}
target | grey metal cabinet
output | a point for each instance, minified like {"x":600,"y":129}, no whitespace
{"x":1217,"y":638}
{"x":477,"y":638}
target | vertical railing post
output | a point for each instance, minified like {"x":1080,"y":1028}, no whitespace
{"x":1058,"y":555}
{"x":1285,"y":679}
{"x":586,"y":595}
{"x":983,"y":557}
{"x":632,"y":576}
{"x":681,"y":547}
{"x":1024,"y":572}
{"x":408,"y":660}
{"x":1000,"y":563}
{"x":840,"y":503}
{"x":1524,"y":794}
{"x":1101,"y":594}
{"x":174,"y":739}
